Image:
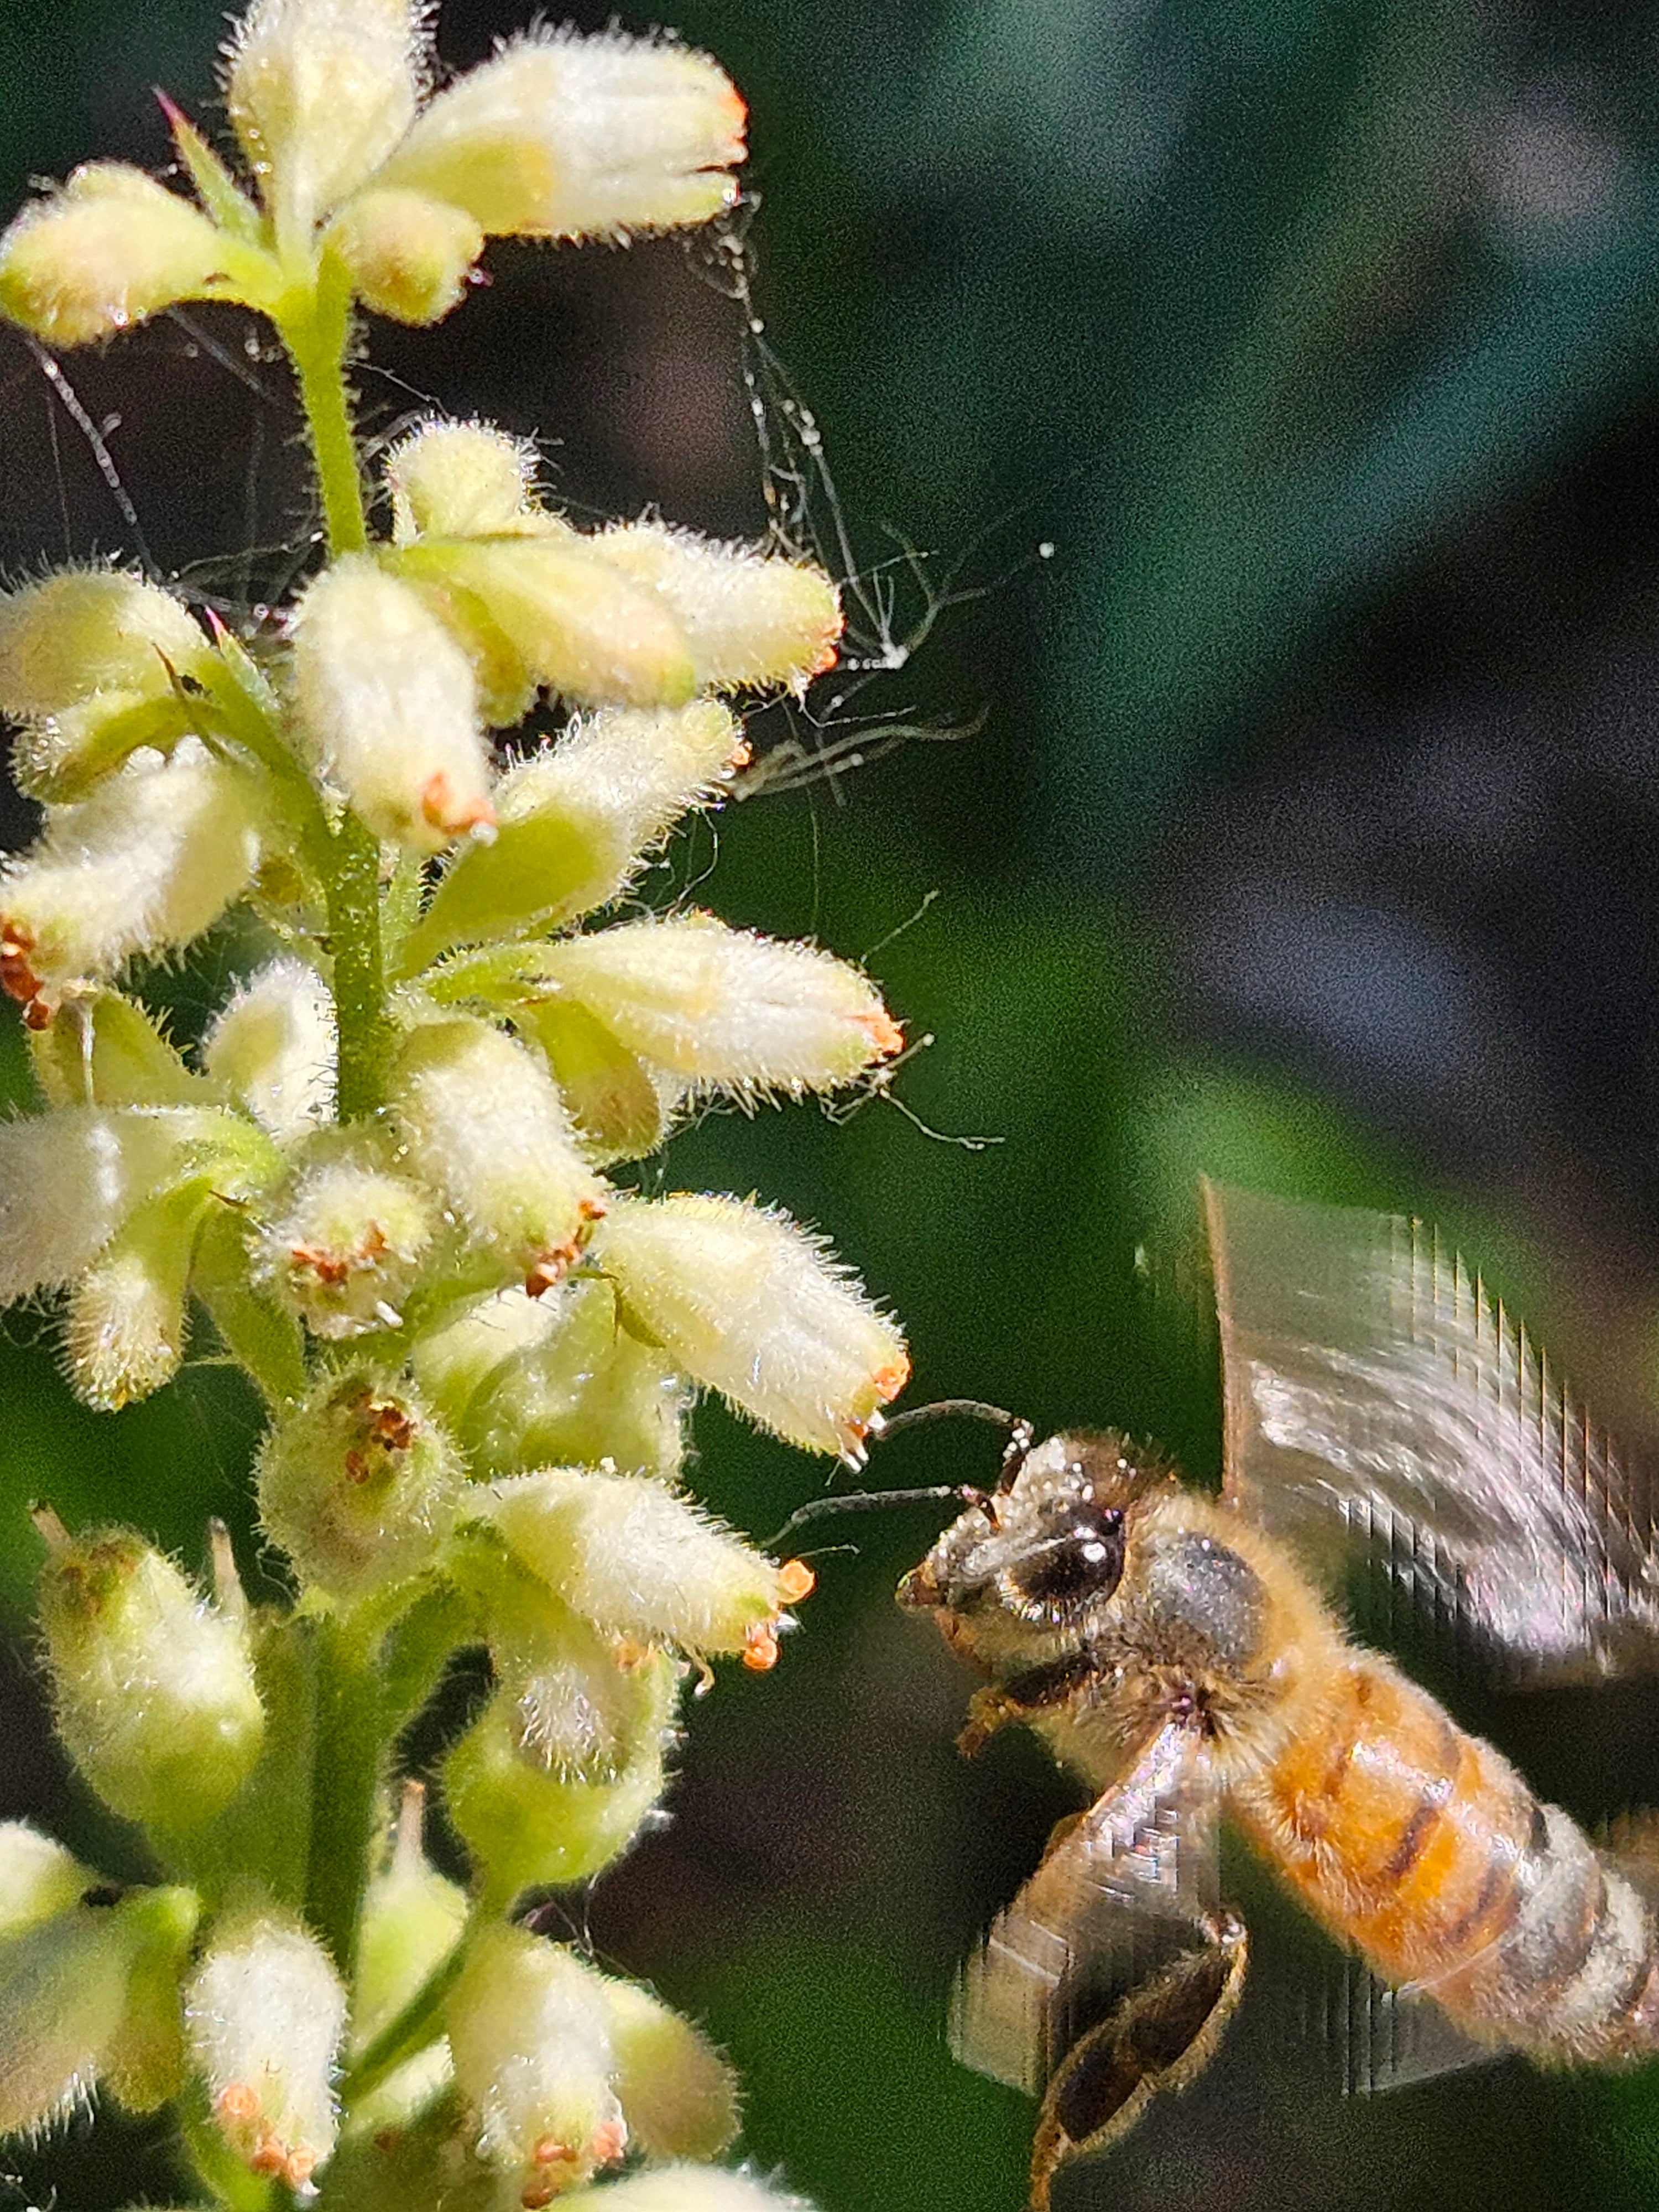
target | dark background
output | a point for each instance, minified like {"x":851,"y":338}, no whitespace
{"x":1249,"y":411}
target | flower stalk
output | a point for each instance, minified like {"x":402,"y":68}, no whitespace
{"x":391,"y":1176}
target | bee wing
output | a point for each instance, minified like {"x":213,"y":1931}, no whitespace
{"x":1368,"y":2037}
{"x":1377,"y":1403}
{"x":1120,"y":1891}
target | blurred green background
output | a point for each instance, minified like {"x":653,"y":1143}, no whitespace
{"x":1243,"y":419}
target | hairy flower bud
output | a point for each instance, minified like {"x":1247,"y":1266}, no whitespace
{"x":265,"y":2014}
{"x":345,"y":1248}
{"x":89,"y":1994}
{"x":59,"y":757}
{"x":563,"y":135}
{"x":70,"y":1178}
{"x":154,"y":1689}
{"x":149,"y":860}
{"x":678,"y":2095}
{"x":637,"y":1560}
{"x":387,"y":700}
{"x":748,"y":1303}
{"x":575,"y":821}
{"x":89,"y":631}
{"x":359,"y":1486}
{"x":38,"y":1878}
{"x":752,"y":620}
{"x":273,"y":1046}
{"x":485,"y":1127}
{"x":459,"y":480}
{"x":409,"y":256}
{"x":319,"y":92}
{"x":124,"y":1328}
{"x":529,"y":2026}
{"x":724,"y":1007}
{"x":554,"y":1778}
{"x":555,"y":1379}
{"x":578,"y":624}
{"x":109,"y":248}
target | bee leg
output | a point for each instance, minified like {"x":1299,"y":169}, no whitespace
{"x":1161,"y":2036}
{"x":988,"y":1711}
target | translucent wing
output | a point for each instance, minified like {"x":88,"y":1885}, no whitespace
{"x":1377,"y":1403}
{"x":1131,"y":1882}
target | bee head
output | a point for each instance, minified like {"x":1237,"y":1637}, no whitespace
{"x":1037,"y":1560}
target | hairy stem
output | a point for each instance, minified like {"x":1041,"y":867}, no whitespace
{"x":316,"y":335}
{"x":359,"y":982}
{"x":350,"y":1755}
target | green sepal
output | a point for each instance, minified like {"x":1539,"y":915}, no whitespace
{"x":263,"y":1337}
{"x":101,"y":1049}
{"x":613,"y":1101}
{"x":218,"y":190}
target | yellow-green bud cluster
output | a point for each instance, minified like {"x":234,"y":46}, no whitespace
{"x":354,"y":166}
{"x":385,"y":1171}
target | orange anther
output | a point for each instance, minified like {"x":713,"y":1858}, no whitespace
{"x":535,"y":2194}
{"x":760,"y":1649}
{"x":270,"y":2157}
{"x":331,"y":1267}
{"x":438,"y":806}
{"x":301,"y":2165}
{"x":795,"y":1581}
{"x":357,"y":1467}
{"x":883,"y":1032}
{"x":610,"y":2142}
{"x":890,"y":1381}
{"x":236,"y":2101}
{"x":553,"y":2150}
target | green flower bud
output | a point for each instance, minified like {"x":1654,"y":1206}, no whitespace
{"x":90,"y":1995}
{"x":342,"y":1251}
{"x":724,"y":1008}
{"x":747,"y":1301}
{"x":555,"y":1380}
{"x":319,"y":92}
{"x":86,"y":631}
{"x":154,"y":1689}
{"x":265,"y":2012}
{"x":388,"y":702}
{"x":111,"y":247}
{"x":553,"y":1779}
{"x":359,"y":1486}
{"x":581,"y":626}
{"x":459,"y":480}
{"x":529,"y":2026}
{"x":38,"y":1878}
{"x":147,"y":862}
{"x":485,"y":1127}
{"x":678,"y":2095}
{"x":563,"y":135}
{"x":124,"y":1334}
{"x":638,"y":1561}
{"x":409,"y":256}
{"x":273,"y":1045}
{"x":575,"y":823}
{"x":752,"y":620}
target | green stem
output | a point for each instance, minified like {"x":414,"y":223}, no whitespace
{"x":316,"y":333}
{"x":354,"y":925}
{"x":345,"y":1805}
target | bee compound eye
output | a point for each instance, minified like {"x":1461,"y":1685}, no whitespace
{"x":1079,"y":1560}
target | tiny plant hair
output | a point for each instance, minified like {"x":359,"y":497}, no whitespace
{"x":385,"y":1184}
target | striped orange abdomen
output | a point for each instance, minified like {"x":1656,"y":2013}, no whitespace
{"x":1425,"y":1849}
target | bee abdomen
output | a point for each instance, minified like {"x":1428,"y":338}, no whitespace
{"x":1423,"y":1847}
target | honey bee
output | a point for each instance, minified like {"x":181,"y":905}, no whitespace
{"x":1174,"y":1652}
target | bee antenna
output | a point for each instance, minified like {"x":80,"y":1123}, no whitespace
{"x":1021,"y":1434}
{"x":947,"y":1409}
{"x":869,"y":1501}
